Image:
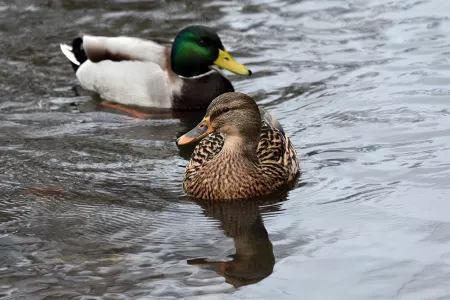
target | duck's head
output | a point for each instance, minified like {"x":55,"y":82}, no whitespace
{"x":196,"y":48}
{"x":235,"y":115}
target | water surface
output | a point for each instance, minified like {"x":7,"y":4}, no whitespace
{"x":91,"y":203}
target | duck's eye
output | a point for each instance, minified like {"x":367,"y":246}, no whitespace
{"x":202,"y":43}
{"x":226,"y":109}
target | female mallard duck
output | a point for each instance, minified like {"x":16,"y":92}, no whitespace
{"x":133,"y":71}
{"x":245,"y":153}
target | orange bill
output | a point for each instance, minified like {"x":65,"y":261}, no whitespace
{"x":200,"y":131}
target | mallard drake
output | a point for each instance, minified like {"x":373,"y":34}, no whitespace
{"x":133,"y":71}
{"x":244,"y":154}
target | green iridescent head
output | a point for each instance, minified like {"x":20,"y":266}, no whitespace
{"x":196,"y":48}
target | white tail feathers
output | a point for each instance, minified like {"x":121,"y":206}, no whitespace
{"x":67,"y":51}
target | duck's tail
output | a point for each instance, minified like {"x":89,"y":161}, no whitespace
{"x":74,"y":53}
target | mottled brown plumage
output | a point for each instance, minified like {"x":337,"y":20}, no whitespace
{"x":245,"y":155}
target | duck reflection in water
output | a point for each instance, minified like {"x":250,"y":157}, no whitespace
{"x":242,"y":221}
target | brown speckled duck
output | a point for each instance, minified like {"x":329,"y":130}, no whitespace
{"x":138,"y":72}
{"x":244,"y":154}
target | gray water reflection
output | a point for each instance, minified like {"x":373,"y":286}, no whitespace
{"x":91,"y":202}
{"x":242,"y":221}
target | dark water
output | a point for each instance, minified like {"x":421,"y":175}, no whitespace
{"x":91,"y":203}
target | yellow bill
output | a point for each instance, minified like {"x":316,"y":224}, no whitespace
{"x":200,"y":131}
{"x":226,"y":61}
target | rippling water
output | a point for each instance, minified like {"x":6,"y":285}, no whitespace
{"x":91,"y":203}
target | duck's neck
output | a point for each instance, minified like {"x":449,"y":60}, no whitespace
{"x":189,"y":71}
{"x":237,"y":147}
{"x":183,"y":65}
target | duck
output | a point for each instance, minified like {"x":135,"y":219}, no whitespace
{"x":137,"y":72}
{"x":243,"y":152}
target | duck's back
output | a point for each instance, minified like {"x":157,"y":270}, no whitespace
{"x":277,"y":154}
{"x":276,"y":146}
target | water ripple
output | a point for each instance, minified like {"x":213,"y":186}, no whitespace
{"x":92,"y":204}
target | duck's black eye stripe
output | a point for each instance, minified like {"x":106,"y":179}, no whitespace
{"x":219,"y":112}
